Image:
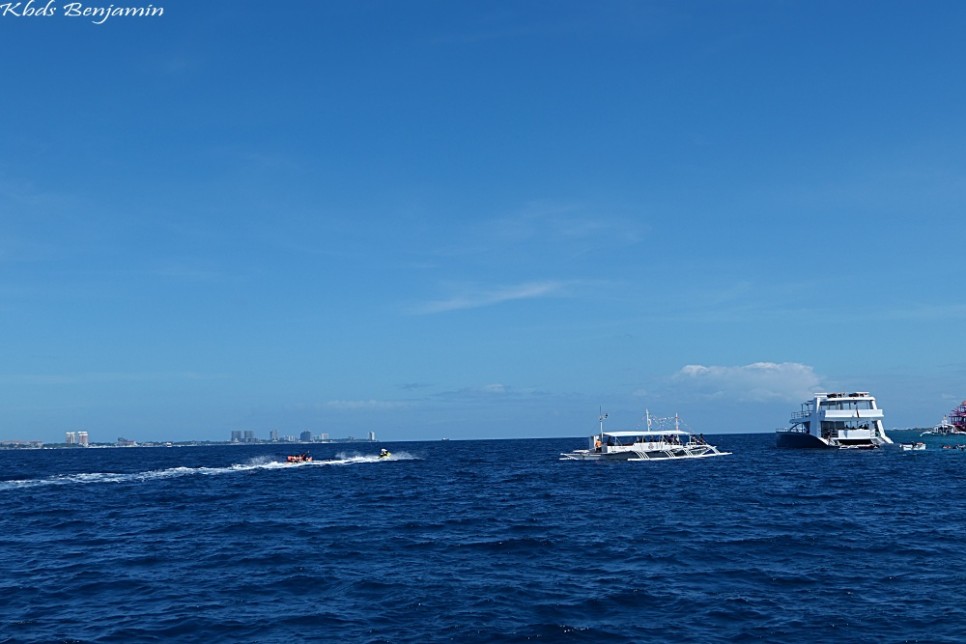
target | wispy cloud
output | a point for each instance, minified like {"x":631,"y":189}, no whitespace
{"x":474,"y":394}
{"x":102,"y":377}
{"x":756,"y":382}
{"x":367,"y":405}
{"x":26,"y":194}
{"x":495,"y":391}
{"x":554,"y":231}
{"x":554,"y":222}
{"x":414,"y":386}
{"x":951,"y":311}
{"x":189,"y":272}
{"x":14,"y":249}
{"x":474,"y":298}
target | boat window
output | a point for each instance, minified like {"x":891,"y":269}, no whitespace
{"x":848,"y":404}
{"x":839,"y":425}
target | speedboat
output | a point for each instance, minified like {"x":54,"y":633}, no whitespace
{"x":299,"y":458}
{"x":652,"y":444}
{"x":912,"y":447}
{"x":836,"y":420}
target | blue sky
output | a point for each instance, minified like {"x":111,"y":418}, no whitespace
{"x":478,"y":219}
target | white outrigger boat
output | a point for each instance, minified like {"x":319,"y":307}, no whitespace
{"x":942,"y":428}
{"x":644,"y":445}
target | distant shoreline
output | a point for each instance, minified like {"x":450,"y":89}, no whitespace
{"x":15,"y":445}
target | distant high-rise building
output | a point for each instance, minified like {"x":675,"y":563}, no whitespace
{"x":305,"y":436}
{"x":249,"y":436}
{"x":273,"y":435}
{"x":82,"y":439}
{"x":236,"y":436}
{"x":372,"y":436}
{"x":71,"y":438}
{"x":324,"y":436}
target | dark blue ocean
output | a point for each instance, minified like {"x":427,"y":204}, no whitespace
{"x":482,"y":541}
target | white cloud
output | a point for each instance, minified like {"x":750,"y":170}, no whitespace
{"x":476,"y":298}
{"x":756,"y":382}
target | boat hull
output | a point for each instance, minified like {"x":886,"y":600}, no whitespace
{"x":799,"y":440}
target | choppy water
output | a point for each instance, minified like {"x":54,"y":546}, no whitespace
{"x":481,"y":541}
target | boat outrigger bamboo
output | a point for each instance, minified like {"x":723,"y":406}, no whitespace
{"x":652,"y":444}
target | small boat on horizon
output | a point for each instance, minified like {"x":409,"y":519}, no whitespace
{"x":837,"y":421}
{"x":942,"y":428}
{"x":952,"y":423}
{"x":652,"y":444}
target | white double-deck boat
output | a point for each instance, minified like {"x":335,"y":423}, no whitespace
{"x":836,"y":420}
{"x":652,"y":444}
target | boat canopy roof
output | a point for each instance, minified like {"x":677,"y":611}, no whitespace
{"x":652,"y":432}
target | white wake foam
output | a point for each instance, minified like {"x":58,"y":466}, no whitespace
{"x":257,"y":463}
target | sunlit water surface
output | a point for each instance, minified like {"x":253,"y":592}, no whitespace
{"x":481,"y":541}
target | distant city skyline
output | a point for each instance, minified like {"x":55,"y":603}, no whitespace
{"x":83,"y":439}
{"x":472,"y":220}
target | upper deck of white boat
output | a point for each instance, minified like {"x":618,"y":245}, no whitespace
{"x":840,"y":406}
{"x":844,"y":397}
